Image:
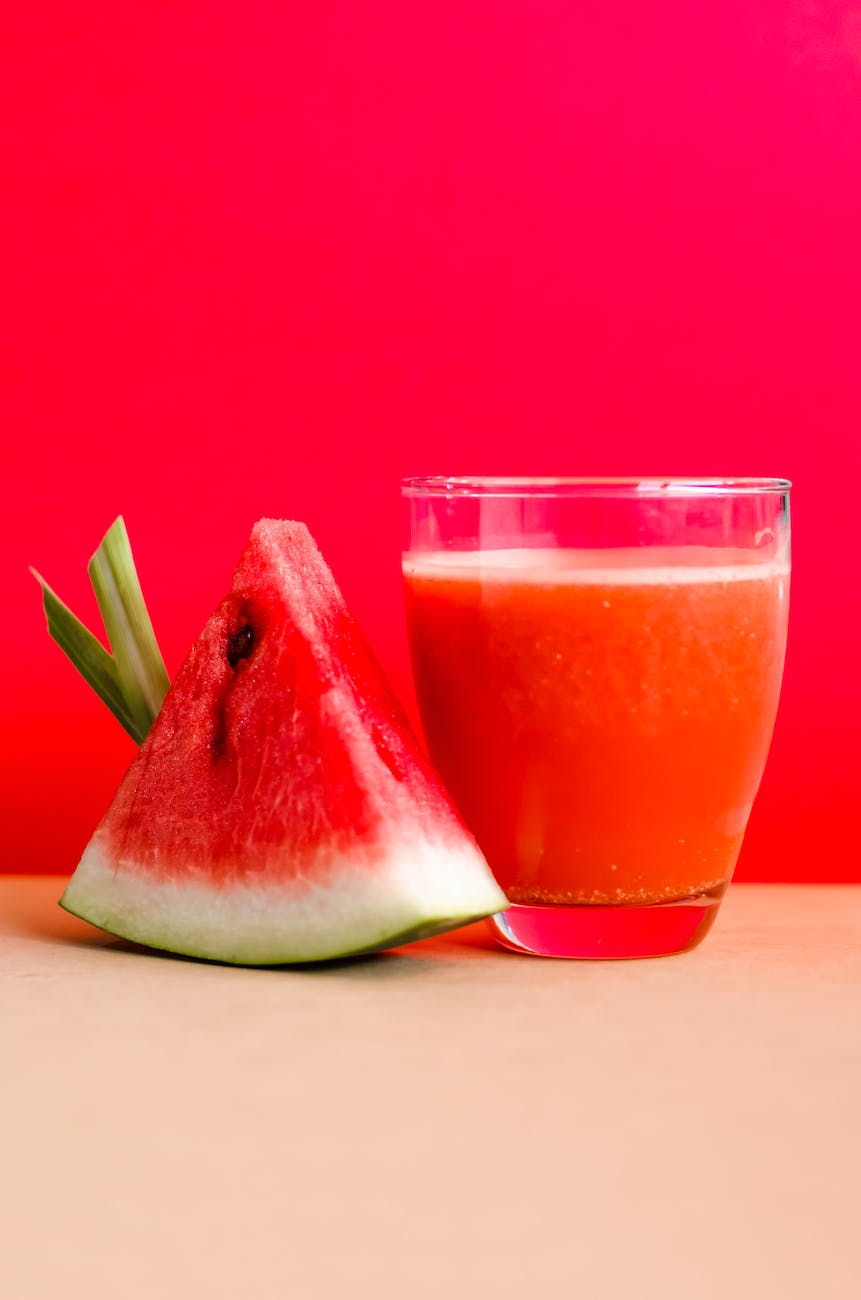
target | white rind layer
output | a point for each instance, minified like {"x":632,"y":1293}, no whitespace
{"x":366,"y":901}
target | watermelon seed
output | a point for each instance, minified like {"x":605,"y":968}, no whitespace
{"x":240,"y":644}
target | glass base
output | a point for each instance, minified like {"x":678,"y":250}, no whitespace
{"x":593,"y":932}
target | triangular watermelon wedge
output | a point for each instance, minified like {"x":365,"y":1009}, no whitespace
{"x":280,"y":809}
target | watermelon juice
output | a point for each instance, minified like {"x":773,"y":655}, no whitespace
{"x":601,"y":717}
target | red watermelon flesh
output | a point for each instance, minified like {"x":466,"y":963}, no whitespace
{"x":280,"y":808}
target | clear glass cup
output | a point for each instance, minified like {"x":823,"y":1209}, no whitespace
{"x":597,"y":664}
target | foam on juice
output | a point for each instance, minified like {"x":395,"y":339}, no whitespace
{"x":621,"y":566}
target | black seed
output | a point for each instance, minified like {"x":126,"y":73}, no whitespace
{"x":240,"y":644}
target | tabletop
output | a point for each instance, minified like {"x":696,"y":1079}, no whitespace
{"x":443,"y":1119}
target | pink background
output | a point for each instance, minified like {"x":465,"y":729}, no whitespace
{"x":266,"y":262}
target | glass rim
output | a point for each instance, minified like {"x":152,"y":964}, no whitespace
{"x":439,"y":485}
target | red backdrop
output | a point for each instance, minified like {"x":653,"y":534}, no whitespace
{"x":260,"y":262}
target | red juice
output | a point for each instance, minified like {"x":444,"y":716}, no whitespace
{"x":601,"y":717}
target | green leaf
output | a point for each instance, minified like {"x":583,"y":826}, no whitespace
{"x":140,"y":668}
{"x":132,"y":680}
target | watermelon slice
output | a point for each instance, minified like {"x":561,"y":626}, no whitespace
{"x":280,"y":809}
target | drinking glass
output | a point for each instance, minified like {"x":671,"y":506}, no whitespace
{"x":597,"y":664}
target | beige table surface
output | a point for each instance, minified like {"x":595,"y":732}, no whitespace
{"x":444,"y":1120}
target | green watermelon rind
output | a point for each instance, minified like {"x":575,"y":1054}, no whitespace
{"x":422,"y":890}
{"x":427,"y":930}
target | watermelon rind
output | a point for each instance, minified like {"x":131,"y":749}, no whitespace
{"x":424,"y":889}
